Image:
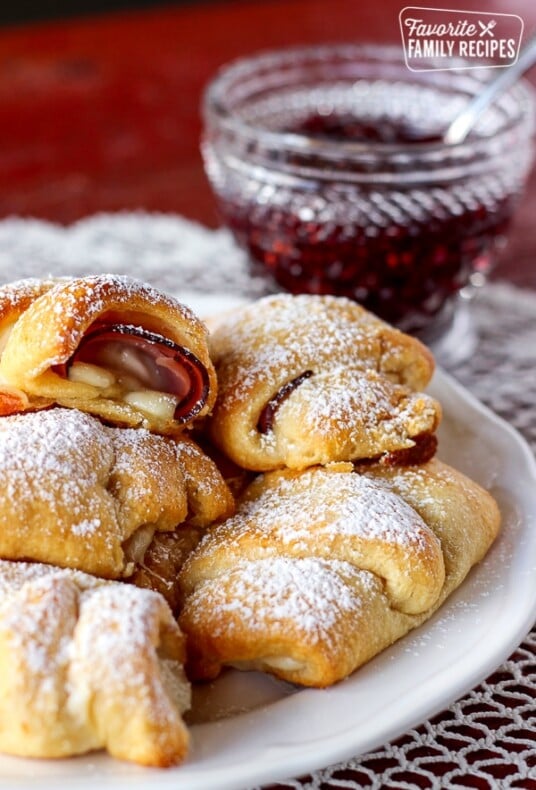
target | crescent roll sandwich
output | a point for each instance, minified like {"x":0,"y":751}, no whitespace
{"x":87,"y":664}
{"x":320,"y":570}
{"x":108,"y":345}
{"x":307,"y":380}
{"x":100,"y":499}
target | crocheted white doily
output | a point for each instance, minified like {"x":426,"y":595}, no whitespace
{"x":486,"y":740}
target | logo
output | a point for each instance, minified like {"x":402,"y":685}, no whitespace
{"x":438,"y":39}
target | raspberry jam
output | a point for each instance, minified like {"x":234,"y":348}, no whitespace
{"x":403,"y":263}
{"x":349,"y":128}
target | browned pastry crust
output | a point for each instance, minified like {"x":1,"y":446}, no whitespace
{"x":320,"y":570}
{"x":313,"y":379}
{"x":236,"y":477}
{"x":56,"y":338}
{"x":163,"y":561}
{"x":87,"y":664}
{"x":77,"y":493}
{"x":15,"y":298}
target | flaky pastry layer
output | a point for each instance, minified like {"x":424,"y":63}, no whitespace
{"x":320,"y":570}
{"x":43,"y":325}
{"x":77,"y":493}
{"x":87,"y":664}
{"x":305,"y":380}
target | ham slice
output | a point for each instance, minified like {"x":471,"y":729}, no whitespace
{"x":144,"y":360}
{"x":267,"y":415}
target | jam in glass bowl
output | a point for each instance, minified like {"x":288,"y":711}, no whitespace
{"x":329,"y":167}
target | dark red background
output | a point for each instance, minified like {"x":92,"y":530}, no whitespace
{"x":102,"y":113}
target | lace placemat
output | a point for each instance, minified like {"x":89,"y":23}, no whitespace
{"x":486,"y":740}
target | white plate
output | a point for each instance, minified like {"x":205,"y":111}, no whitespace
{"x":286,"y":732}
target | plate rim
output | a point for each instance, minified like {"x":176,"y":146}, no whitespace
{"x":344,"y":748}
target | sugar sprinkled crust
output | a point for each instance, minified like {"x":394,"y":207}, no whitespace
{"x":78,"y":302}
{"x":74,"y":491}
{"x":330,"y":515}
{"x":328,"y":403}
{"x":15,"y":297}
{"x":342,"y":504}
{"x":356,"y":396}
{"x":47,"y":321}
{"x":281,"y":586}
{"x":85,"y":664}
{"x":209,"y":498}
{"x":464,"y":516}
{"x":308,"y":328}
{"x":311,"y":592}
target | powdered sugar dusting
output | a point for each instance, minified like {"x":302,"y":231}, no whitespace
{"x":39,"y":620}
{"x":352,"y":380}
{"x":136,"y":449}
{"x":414,"y":479}
{"x":86,"y":526}
{"x":73,"y":490}
{"x":132,"y":618}
{"x":16,"y":297}
{"x":322,"y":505}
{"x":302,"y":331}
{"x":44,"y":457}
{"x":328,"y":514}
{"x":114,"y":657}
{"x":307,"y":594}
{"x":429,"y":487}
{"x":95,"y":289}
{"x":18,"y":292}
{"x":76,"y":303}
{"x":347,"y":397}
{"x":84,"y":652}
{"x":190,"y":456}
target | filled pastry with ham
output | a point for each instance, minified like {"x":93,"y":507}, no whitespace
{"x":307,"y":380}
{"x":101,"y":499}
{"x":108,"y":345}
{"x":87,"y":664}
{"x":320,"y":570}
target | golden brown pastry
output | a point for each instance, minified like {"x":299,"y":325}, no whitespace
{"x":322,"y":569}
{"x":87,"y":664}
{"x":108,"y":345}
{"x":79,"y":494}
{"x":306,"y":380}
{"x":163,"y":561}
{"x":15,"y":298}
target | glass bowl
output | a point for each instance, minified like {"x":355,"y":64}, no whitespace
{"x":329,"y":168}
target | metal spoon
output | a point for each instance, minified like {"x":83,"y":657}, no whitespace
{"x":460,"y":127}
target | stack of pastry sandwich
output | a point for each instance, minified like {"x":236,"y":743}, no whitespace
{"x":124,"y":556}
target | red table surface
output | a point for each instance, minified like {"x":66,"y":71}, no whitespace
{"x":102,"y":113}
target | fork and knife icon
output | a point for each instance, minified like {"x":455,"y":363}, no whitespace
{"x":487,"y":29}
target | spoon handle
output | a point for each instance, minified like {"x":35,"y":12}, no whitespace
{"x":460,"y":127}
